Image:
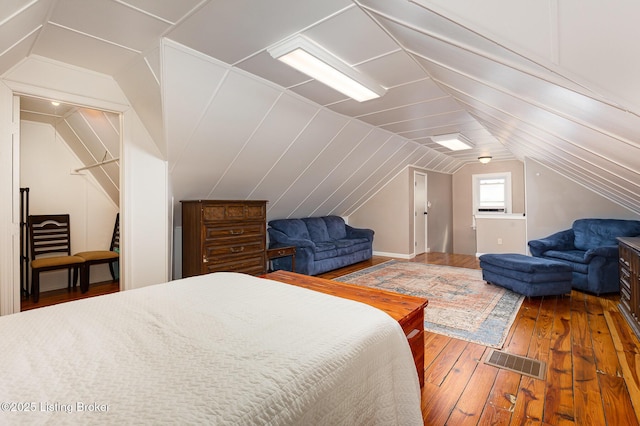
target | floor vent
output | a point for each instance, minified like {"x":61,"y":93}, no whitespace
{"x":518,"y":364}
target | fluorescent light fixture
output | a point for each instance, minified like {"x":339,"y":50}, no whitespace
{"x":484,"y":159}
{"x":453,"y":141}
{"x":320,"y":64}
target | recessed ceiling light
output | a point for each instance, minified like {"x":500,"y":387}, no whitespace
{"x":320,"y":64}
{"x":453,"y":141}
{"x":55,"y":103}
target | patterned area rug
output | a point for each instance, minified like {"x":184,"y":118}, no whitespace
{"x":461,"y":304}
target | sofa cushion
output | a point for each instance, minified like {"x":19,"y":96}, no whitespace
{"x":335,"y":227}
{"x":576,"y":256}
{"x":592,"y":233}
{"x":343,"y":251}
{"x":317,"y":229}
{"x":348,"y":242}
{"x":328,"y":251}
{"x":324,"y":246}
{"x":293,"y":228}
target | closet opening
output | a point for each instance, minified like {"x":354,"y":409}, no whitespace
{"x":69,"y":164}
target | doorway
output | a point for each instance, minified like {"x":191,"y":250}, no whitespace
{"x":69,"y":164}
{"x":420,"y":204}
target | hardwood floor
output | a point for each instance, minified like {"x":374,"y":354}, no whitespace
{"x":60,"y":296}
{"x":592,"y":356}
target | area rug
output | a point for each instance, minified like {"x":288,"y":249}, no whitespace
{"x":461,"y":304}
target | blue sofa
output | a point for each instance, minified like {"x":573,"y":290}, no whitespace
{"x":591,"y":249}
{"x":322,"y":243}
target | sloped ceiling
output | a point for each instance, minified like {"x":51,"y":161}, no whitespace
{"x":555,"y":81}
{"x":93,"y":136}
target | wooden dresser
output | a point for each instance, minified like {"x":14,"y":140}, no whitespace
{"x":407,"y":310}
{"x":629,"y":272}
{"x":223,"y":235}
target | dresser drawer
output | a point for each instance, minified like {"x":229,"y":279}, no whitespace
{"x":626,"y":255}
{"x":233,"y":211}
{"x":233,"y":247}
{"x":247,"y":264}
{"x":234,"y":230}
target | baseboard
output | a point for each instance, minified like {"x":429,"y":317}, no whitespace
{"x":396,"y":255}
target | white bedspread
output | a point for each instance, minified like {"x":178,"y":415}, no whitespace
{"x":217,"y":349}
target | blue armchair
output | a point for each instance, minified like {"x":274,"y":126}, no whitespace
{"x":590,"y":247}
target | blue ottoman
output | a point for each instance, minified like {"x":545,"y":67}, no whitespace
{"x":527,"y":275}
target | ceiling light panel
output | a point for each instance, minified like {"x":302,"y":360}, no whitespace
{"x":318,"y":63}
{"x":453,"y":141}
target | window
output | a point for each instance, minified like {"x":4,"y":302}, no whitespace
{"x":492,"y":193}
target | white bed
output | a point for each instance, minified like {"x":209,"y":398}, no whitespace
{"x":222,"y":348}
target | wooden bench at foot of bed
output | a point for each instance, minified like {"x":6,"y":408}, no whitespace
{"x":407,"y":310}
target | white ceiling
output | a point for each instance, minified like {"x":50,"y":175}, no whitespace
{"x":555,"y":81}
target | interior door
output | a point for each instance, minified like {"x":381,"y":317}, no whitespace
{"x":420,"y":212}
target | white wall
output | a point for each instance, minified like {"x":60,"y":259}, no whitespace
{"x":464,"y":235}
{"x":554,"y":202}
{"x":46,"y":162}
{"x":506,"y":233}
{"x":389,"y":212}
{"x":145,"y":234}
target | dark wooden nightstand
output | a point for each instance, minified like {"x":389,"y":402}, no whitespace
{"x":275,"y":253}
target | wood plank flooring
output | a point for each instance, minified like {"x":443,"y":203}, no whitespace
{"x":592,"y":356}
{"x":60,"y":296}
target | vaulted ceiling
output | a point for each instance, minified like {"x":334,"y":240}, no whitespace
{"x":554,"y":81}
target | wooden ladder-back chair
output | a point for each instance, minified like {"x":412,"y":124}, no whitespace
{"x":110,"y":256}
{"x":50,"y":246}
